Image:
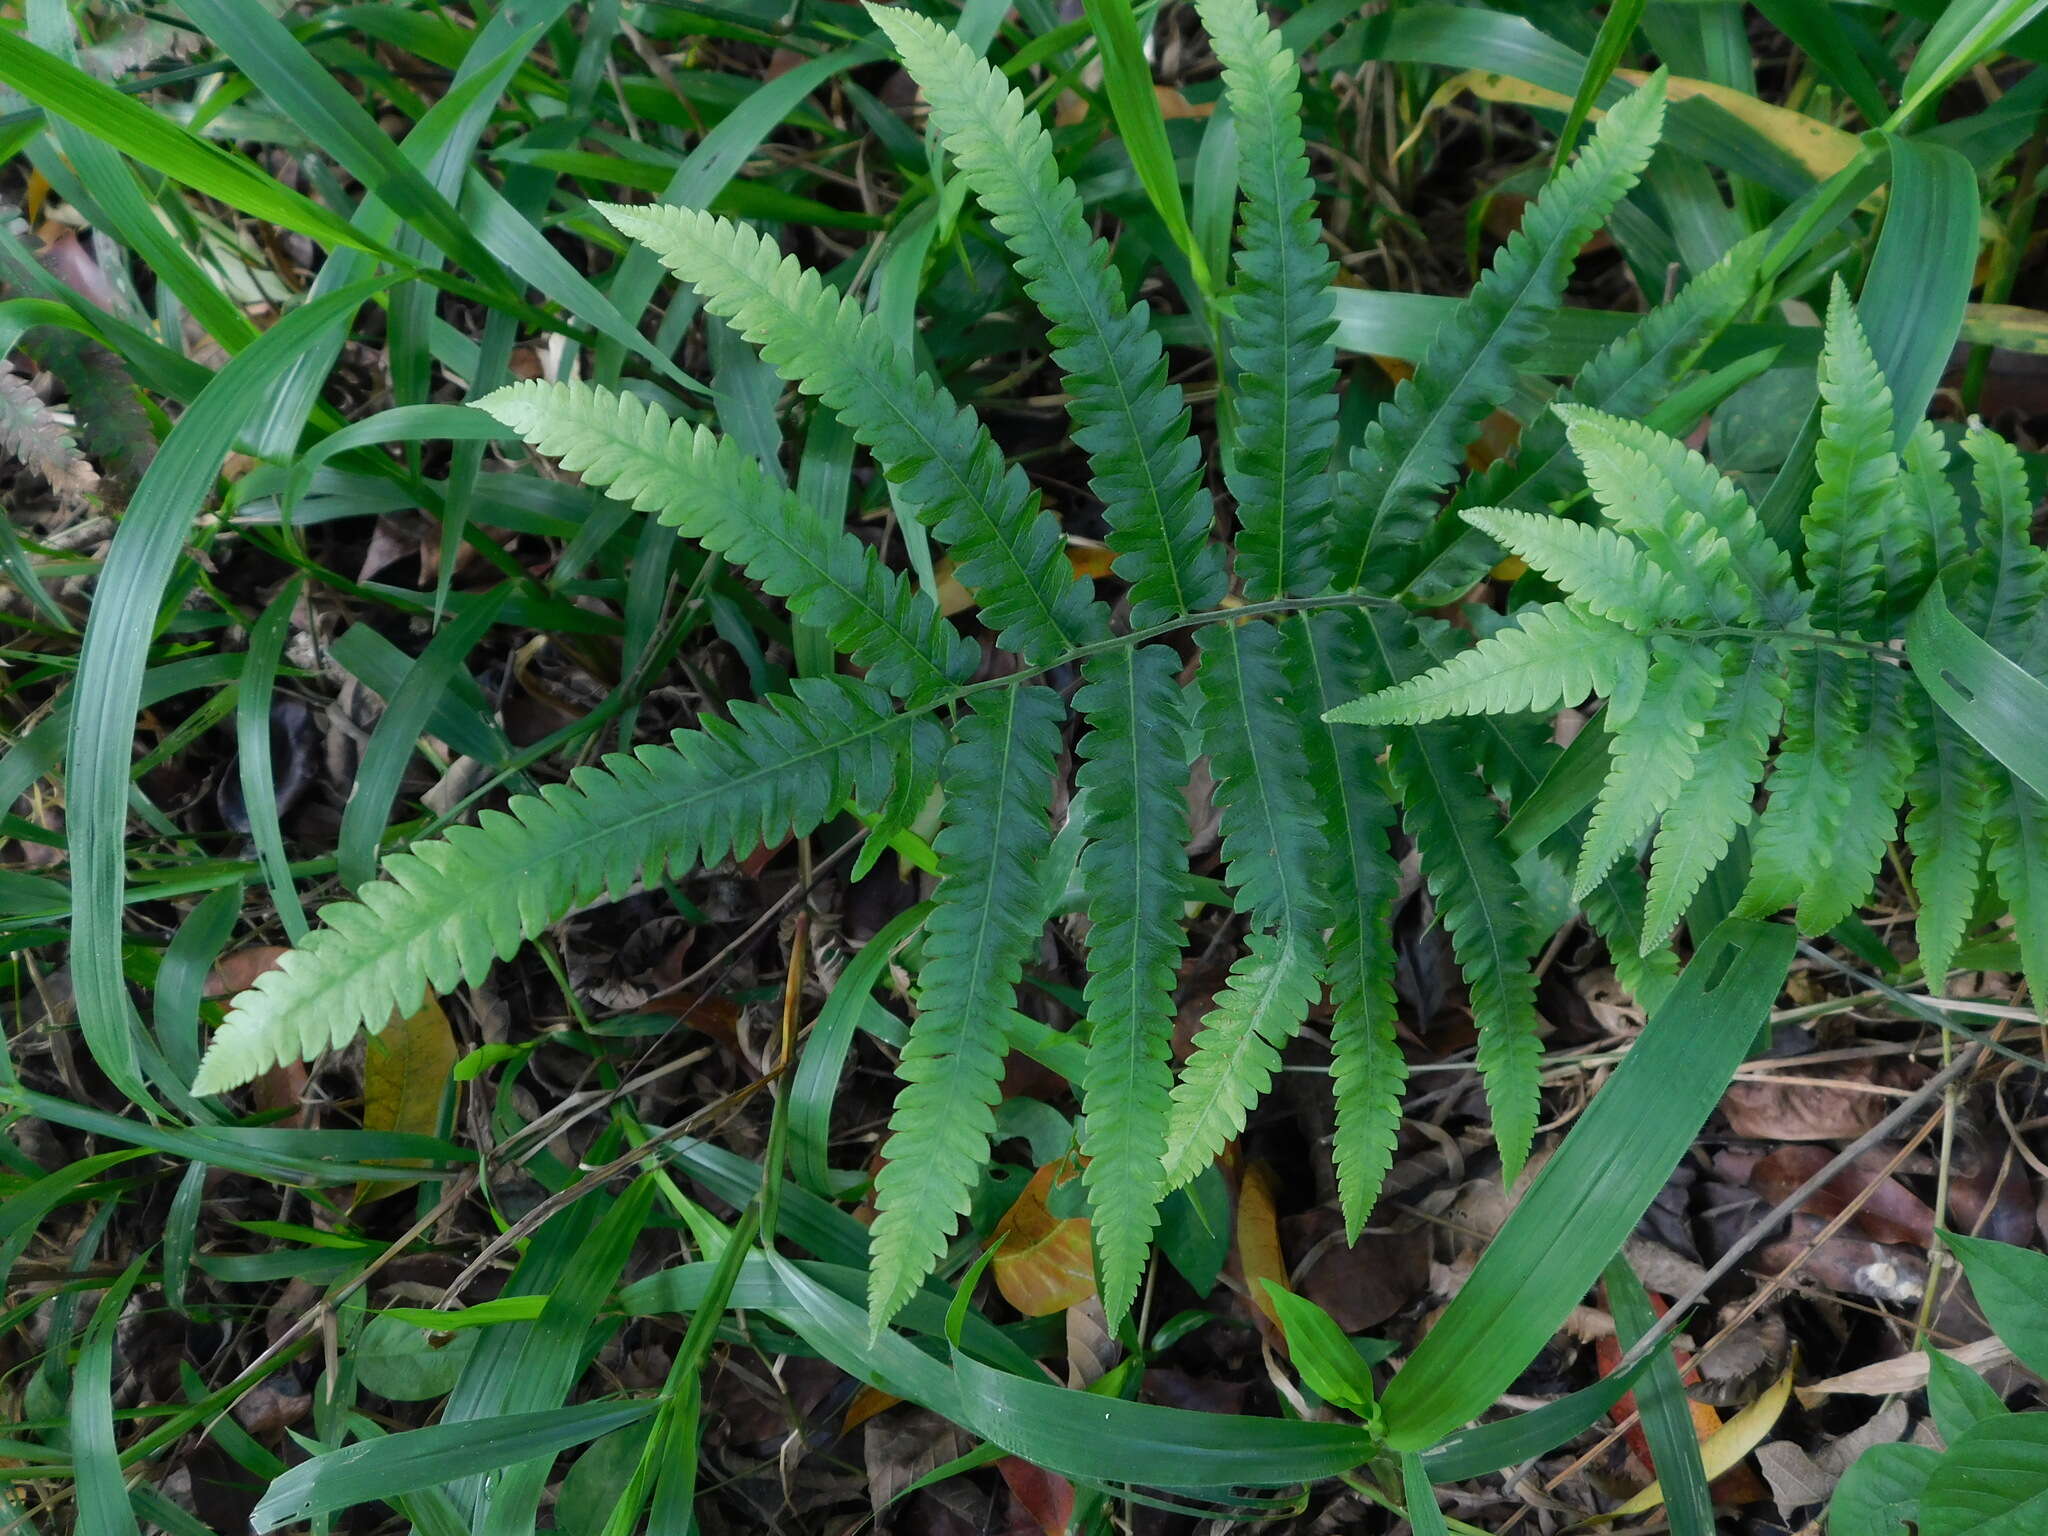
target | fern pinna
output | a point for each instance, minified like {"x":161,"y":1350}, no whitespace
{"x":1678,"y":612}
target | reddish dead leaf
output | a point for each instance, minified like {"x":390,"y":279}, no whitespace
{"x":1852,"y":1266}
{"x":1046,"y":1263}
{"x":1361,"y":1287}
{"x":1258,"y":1254}
{"x":1890,"y":1213}
{"x":1046,"y":1497}
{"x":1607,"y":1350}
{"x":281,"y":1090}
{"x":718,"y":1017}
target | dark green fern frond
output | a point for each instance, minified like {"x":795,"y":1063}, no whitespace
{"x":2010,"y":581}
{"x":1281,"y":316}
{"x":444,"y":912}
{"x":1387,"y":501}
{"x":1928,"y":531}
{"x":2017,"y":853}
{"x":1134,"y":873}
{"x":1857,"y":500}
{"x":1948,"y":792}
{"x":1008,"y":551}
{"x":1362,"y":878}
{"x":1247,"y":720}
{"x":1842,"y":874}
{"x":711,"y":490}
{"x":1237,"y":1051}
{"x":1809,"y":784}
{"x":987,"y":916}
{"x":1128,"y":416}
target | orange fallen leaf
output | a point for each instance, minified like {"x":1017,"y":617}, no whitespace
{"x":1046,"y":1263}
{"x":1259,"y":1257}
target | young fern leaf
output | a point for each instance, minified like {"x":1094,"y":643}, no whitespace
{"x":711,"y":490}
{"x":1694,"y":522}
{"x":1948,"y":792}
{"x":1282,"y":315}
{"x":1927,"y":533}
{"x":1387,"y":501}
{"x":1272,"y":843}
{"x":1654,"y":747}
{"x":2006,"y":590}
{"x":1367,"y":1069}
{"x":1718,"y":800}
{"x":1237,"y":1050}
{"x":1809,"y":784}
{"x":2017,"y":853}
{"x":1857,"y":500}
{"x":444,"y":912}
{"x":1553,"y":655}
{"x":1842,"y":876}
{"x":986,"y":918}
{"x":1008,"y":551}
{"x":1134,"y":874}
{"x":1595,"y":567}
{"x":1128,"y":416}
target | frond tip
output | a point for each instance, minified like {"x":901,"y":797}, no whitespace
{"x":444,"y":912}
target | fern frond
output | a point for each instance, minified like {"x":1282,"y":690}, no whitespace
{"x":2010,"y":583}
{"x":710,"y":490}
{"x":1006,"y":549}
{"x":1857,"y":499}
{"x":1247,"y":721}
{"x":1719,"y":798}
{"x":1653,"y":755}
{"x":1457,"y":832}
{"x":1809,"y":784}
{"x":1614,"y":908}
{"x":1134,"y":873}
{"x":1948,"y":795}
{"x":38,"y":435}
{"x":1281,"y":316}
{"x":2017,"y":853}
{"x":1695,"y":522}
{"x":1606,"y":574}
{"x":986,"y":918}
{"x":1628,"y":377}
{"x":1552,"y":656}
{"x":1362,"y":878}
{"x":445,"y":911}
{"x":1128,"y":416}
{"x":1928,"y":531}
{"x":1840,"y":880}
{"x":1237,"y":1051}
{"x":1386,"y":501}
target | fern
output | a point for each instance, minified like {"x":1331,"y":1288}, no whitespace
{"x":1129,"y":418}
{"x":1134,"y":873}
{"x":1604,"y":573}
{"x":1281,"y":316}
{"x":1006,"y":549}
{"x":1552,"y":656}
{"x":1411,"y":451}
{"x":444,"y":912}
{"x":711,"y":490}
{"x":1856,"y":502}
{"x":1654,"y":747}
{"x":987,"y":917}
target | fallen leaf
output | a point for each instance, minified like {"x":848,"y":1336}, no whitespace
{"x":1905,"y":1373}
{"x":1046,"y":1263}
{"x":1259,"y":1258}
{"x":1046,"y":1497}
{"x":406,"y":1069}
{"x":1888,"y":1212}
{"x":1772,"y":1111}
{"x":1730,"y":1444}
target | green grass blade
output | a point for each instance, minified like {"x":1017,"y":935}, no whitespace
{"x":1667,"y":1416}
{"x":2004,"y":709}
{"x":103,"y":1508}
{"x":1617,"y":30}
{"x":1589,"y":1196}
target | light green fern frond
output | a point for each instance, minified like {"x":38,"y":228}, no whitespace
{"x":1128,"y":416}
{"x":1653,"y":755}
{"x":1857,"y":499}
{"x":1237,"y":1051}
{"x":1281,"y":315}
{"x":1362,"y":879}
{"x":987,"y":916}
{"x":444,"y":912}
{"x":1008,"y":551}
{"x":1387,"y":501}
{"x":711,"y":490}
{"x":1718,"y":800}
{"x":1948,"y":793}
{"x":1600,"y":570}
{"x":1695,"y":523}
{"x":1553,"y":655}
{"x":1134,"y":873}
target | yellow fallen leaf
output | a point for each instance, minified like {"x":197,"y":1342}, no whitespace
{"x":1258,"y":1247}
{"x":1730,"y":1443}
{"x":405,"y":1070}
